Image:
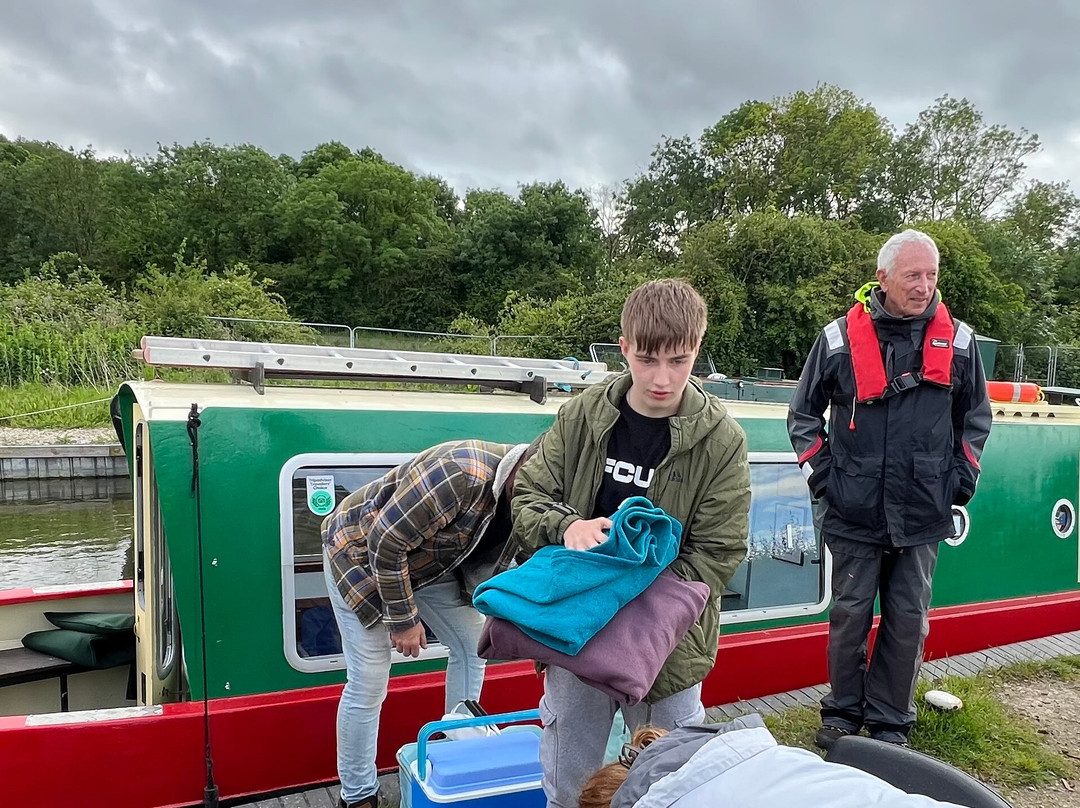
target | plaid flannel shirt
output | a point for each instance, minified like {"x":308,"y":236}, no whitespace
{"x":409,"y":527}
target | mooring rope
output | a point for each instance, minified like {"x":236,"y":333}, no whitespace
{"x":55,"y":409}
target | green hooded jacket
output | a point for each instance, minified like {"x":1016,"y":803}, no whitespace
{"x":704,"y":482}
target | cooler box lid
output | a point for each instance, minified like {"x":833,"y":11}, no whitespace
{"x":494,"y":761}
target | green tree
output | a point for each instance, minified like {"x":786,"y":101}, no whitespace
{"x":363,"y":242}
{"x":179,"y":302}
{"x":219,"y":199}
{"x":991,"y":306}
{"x":63,"y":207}
{"x":540,"y":245}
{"x":1015,"y":260}
{"x":771,"y":282}
{"x":132,"y":222}
{"x":680,"y":190}
{"x":1067,"y":291}
{"x":950,"y":163}
{"x":13,"y":245}
{"x":325,"y":154}
{"x":815,"y":152}
{"x":1046,"y":215}
{"x":820,"y":152}
{"x":567,"y":325}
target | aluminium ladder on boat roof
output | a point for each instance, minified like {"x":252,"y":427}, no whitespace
{"x":257,"y":361}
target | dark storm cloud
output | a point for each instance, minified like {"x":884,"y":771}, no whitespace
{"x":496,"y":93}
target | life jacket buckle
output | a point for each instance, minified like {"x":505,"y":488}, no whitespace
{"x":904,"y":382}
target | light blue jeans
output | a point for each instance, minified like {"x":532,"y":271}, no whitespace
{"x":577,"y":723}
{"x":367,"y":670}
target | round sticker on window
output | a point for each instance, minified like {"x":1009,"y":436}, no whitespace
{"x":1063,"y":519}
{"x":961,"y":524}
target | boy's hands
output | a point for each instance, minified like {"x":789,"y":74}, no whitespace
{"x":583,"y":534}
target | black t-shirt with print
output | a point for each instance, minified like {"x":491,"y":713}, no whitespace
{"x":636,"y":447}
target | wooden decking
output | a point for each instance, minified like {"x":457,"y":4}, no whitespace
{"x":963,"y":665}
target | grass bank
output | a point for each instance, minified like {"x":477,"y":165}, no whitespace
{"x":54,"y":407}
{"x":984,"y":739}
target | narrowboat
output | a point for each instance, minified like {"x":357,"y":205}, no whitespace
{"x":236,"y":669}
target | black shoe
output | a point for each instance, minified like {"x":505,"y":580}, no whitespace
{"x":830,"y":734}
{"x":366,"y":802}
{"x":895,"y":737}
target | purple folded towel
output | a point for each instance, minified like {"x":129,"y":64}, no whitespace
{"x":624,"y":658}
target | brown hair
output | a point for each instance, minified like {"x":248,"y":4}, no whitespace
{"x":664,"y":314}
{"x":602,"y":786}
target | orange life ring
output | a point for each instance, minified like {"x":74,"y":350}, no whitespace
{"x":1026,"y":392}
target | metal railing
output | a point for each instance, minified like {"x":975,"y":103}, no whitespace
{"x":1045,"y":365}
{"x":1066,"y":366}
{"x":404,"y":339}
{"x":247,"y":329}
{"x":344,"y":336}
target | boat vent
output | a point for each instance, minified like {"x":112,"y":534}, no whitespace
{"x":255,"y":362}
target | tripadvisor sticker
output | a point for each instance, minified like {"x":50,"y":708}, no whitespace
{"x":320,"y":494}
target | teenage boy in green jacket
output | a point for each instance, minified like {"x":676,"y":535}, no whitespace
{"x":649,"y":432}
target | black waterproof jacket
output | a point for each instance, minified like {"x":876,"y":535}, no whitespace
{"x":894,"y":477}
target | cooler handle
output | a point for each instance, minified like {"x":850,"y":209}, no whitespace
{"x":432,"y":727}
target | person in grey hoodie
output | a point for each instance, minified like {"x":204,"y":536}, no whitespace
{"x":735,"y":764}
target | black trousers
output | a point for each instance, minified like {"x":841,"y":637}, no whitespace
{"x":880,"y":692}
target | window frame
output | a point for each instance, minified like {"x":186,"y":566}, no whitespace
{"x":1065,"y":503}
{"x":334,"y":662}
{"x":389,"y":460}
{"x":166,"y":623}
{"x":139,"y":496}
{"x":956,"y":541}
{"x":797,"y":609}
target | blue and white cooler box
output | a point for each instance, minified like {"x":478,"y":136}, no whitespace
{"x":493,"y":771}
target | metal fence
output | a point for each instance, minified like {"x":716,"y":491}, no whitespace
{"x":1006,"y":363}
{"x":1045,"y":365}
{"x":407,"y":340}
{"x":1066,"y":366}
{"x":401,"y":339}
{"x":246,"y":329}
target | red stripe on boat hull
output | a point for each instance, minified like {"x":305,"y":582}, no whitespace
{"x":286,"y":740}
{"x":12,"y":597}
{"x":758,"y":663}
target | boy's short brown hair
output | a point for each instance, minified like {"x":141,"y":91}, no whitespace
{"x":664,"y":314}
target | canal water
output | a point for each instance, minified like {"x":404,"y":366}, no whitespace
{"x":65,"y":531}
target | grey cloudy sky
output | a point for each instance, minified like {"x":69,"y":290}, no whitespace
{"x":507,"y":91}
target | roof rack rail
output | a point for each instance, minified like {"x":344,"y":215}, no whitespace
{"x":255,"y":362}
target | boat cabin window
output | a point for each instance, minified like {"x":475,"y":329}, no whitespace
{"x":1063,"y":518}
{"x":784,"y":571}
{"x":961,"y":525}
{"x":311,"y":487}
{"x":139,"y":500}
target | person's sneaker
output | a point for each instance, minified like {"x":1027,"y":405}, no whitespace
{"x":890,"y":736}
{"x":829,"y":734}
{"x":366,"y":802}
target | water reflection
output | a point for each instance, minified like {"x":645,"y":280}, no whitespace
{"x":64,"y":531}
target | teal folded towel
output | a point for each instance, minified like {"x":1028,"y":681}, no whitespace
{"x":562,"y":597}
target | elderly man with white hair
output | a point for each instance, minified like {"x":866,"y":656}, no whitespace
{"x":908,"y":417}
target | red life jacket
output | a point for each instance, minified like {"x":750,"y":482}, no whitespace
{"x":870,"y":381}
